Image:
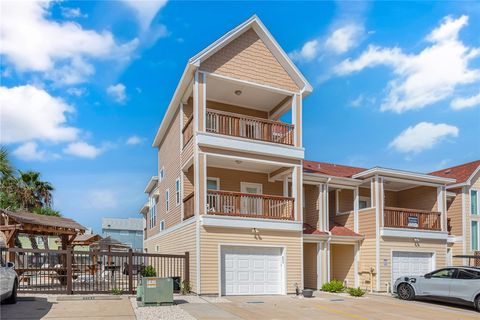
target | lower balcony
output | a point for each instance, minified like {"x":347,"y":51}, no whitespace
{"x":229,"y":203}
{"x":403,"y":218}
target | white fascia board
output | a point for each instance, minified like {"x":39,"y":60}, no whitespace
{"x":469,"y":181}
{"x":403,"y":174}
{"x":255,"y":23}
{"x":409,"y":233}
{"x":453,"y":239}
{"x":185,"y":80}
{"x":318,"y":177}
{"x":253,"y":146}
{"x":249,"y":223}
{"x":151,"y":184}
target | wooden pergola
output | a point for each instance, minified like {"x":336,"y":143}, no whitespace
{"x":13,"y":223}
{"x":85,"y":239}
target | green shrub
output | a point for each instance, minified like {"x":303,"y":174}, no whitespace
{"x":116,"y":291}
{"x":333,"y":286}
{"x":356,"y":292}
{"x":185,"y":287}
{"x":148,"y":271}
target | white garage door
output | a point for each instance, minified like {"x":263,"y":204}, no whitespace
{"x":252,"y":270}
{"x":411,"y":263}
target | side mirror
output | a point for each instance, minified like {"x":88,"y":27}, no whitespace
{"x":10,"y":265}
{"x":428,"y":276}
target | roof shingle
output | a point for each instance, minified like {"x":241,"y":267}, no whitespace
{"x":330,"y":169}
{"x":461,"y":172}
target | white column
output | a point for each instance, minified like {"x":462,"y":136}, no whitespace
{"x":355,"y":266}
{"x":356,"y":200}
{"x":321,"y":218}
{"x":441,"y":198}
{"x":378,"y":212}
{"x":319,"y":265}
{"x":285,"y":185}
{"x":328,"y":259}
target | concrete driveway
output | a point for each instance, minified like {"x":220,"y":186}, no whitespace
{"x":69,"y":308}
{"x":327,"y":306}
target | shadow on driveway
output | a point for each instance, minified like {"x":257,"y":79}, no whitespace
{"x":26,"y":308}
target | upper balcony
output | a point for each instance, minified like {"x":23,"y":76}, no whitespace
{"x":232,"y":114}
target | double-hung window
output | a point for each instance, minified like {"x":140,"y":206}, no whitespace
{"x":475,"y":223}
{"x":167,"y":198}
{"x":177,"y":191}
{"x":152,"y":212}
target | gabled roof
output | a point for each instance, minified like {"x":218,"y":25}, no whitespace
{"x":402,"y":174}
{"x":331,"y":169}
{"x":194,"y":62}
{"x":461,"y":173}
{"x":130,"y":224}
{"x":28,"y":218}
{"x":335,"y":230}
{"x":255,"y":23}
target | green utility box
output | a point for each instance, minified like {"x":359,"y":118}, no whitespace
{"x":155,"y":291}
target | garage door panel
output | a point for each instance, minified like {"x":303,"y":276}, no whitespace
{"x":251,"y":270}
{"x":411,"y":263}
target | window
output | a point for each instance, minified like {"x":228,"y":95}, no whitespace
{"x":162,"y":225}
{"x":468,"y":274}
{"x":157,"y":248}
{"x":152,"y":212}
{"x":213,"y":183}
{"x":177,"y":191}
{"x":474,"y":202}
{"x":167,"y":198}
{"x":474,"y":236}
{"x":444,"y":273}
{"x":162,"y":173}
{"x":364,"y":202}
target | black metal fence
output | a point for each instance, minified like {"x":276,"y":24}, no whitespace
{"x":71,"y":272}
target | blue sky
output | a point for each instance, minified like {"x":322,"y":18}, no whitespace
{"x":84,"y":86}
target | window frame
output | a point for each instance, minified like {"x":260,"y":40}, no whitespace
{"x":167,"y":200}
{"x":152,"y":212}
{"x":477,"y":192}
{"x":162,"y":225}
{"x":178,"y":191}
{"x":471,"y":235}
{"x":368,"y":200}
{"x":217,"y":180}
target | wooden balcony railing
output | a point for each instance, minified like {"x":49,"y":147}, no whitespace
{"x":187,"y":131}
{"x":249,"y":205}
{"x":233,"y":124}
{"x":411,"y":219}
{"x":188,"y":206}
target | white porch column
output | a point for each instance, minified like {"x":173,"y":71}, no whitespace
{"x":199,"y":100}
{"x":327,"y":244}
{"x":320,"y":264}
{"x":441,"y":207}
{"x":297,"y":194}
{"x":297,"y":119}
{"x":355,"y":266}
{"x":285,"y":185}
{"x":378,"y":184}
{"x":356,"y":200}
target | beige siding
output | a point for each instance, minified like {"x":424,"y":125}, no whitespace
{"x":311,"y":205}
{"x":230,"y":180}
{"x":342,"y":263}
{"x":236,"y":109}
{"x":310,"y":265}
{"x":168,"y":156}
{"x":211,"y":238}
{"x":454,"y":213}
{"x":422,"y":198}
{"x":367,"y":255}
{"x":345,"y":219}
{"x":470,"y":217}
{"x":247,"y":58}
{"x":178,"y":242}
{"x":387,"y":246}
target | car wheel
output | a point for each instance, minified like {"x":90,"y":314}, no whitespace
{"x":477,"y":303}
{"x":13,"y":297}
{"x":405,"y":292}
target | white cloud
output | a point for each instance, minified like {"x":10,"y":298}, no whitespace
{"x":424,"y":78}
{"x":357,"y":102}
{"x":77,"y":92}
{"x":30,"y":41}
{"x":134,"y":140}
{"x":343,"y":39}
{"x":28,"y":113}
{"x":308,"y":52}
{"x":117,"y":92}
{"x":83,"y":150}
{"x":145,"y":11}
{"x":72,"y":13}
{"x":102,"y":199}
{"x":465,"y":102}
{"x":423,"y":136}
{"x":29,"y":152}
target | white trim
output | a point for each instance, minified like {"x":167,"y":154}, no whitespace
{"x":167,"y":200}
{"x":197,"y":231}
{"x":204,"y":102}
{"x":179,"y":192}
{"x":284,"y":261}
{"x":337,"y":201}
{"x":454,"y":239}
{"x":162,"y":222}
{"x":319,"y":264}
{"x":355,"y":265}
{"x":408,"y":233}
{"x":152,"y":184}
{"x":402,"y":174}
{"x":182,"y":195}
{"x":464,"y":223}
{"x":315,"y":178}
{"x":276,"y":163}
{"x":180,"y":118}
{"x":253,"y":146}
{"x":356,"y":205}
{"x":377,"y":232}
{"x":327,"y":247}
{"x":249,"y":223}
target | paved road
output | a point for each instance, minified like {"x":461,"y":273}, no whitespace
{"x":326,"y":306}
{"x":58,"y":308}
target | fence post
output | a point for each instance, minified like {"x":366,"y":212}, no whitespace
{"x":130,"y":269}
{"x":69,"y":269}
{"x":187,"y":267}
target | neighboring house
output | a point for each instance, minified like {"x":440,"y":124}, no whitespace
{"x":128,"y":231}
{"x":234,"y":191}
{"x":463,"y":203}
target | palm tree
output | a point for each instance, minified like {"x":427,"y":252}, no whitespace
{"x":6,"y":168}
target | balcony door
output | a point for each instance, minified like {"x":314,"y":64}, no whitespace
{"x":251,"y":204}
